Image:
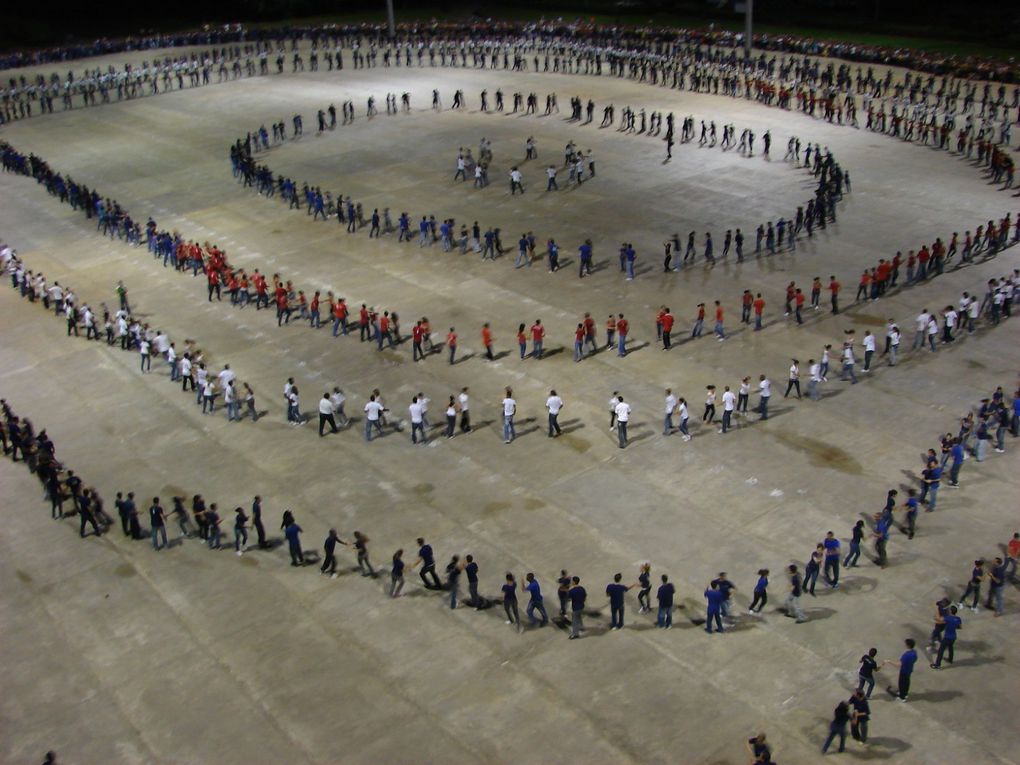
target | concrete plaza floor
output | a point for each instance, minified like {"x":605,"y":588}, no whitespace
{"x":114,"y":653}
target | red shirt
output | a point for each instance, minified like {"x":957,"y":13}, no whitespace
{"x":363,"y":316}
{"x":718,"y":314}
{"x":589,"y":326}
{"x":834,"y":287}
{"x":417,"y":333}
{"x":747,"y":298}
{"x":800,"y":299}
{"x":579,"y":334}
{"x":451,"y":340}
{"x":759,"y":306}
{"x":667,"y":322}
{"x":537,"y":331}
{"x":701,"y":313}
{"x":622,"y":326}
{"x":384,"y":324}
{"x":486,"y":336}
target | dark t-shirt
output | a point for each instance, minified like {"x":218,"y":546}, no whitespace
{"x":665,"y":595}
{"x":156,"y":515}
{"x":398,"y":567}
{"x":868,"y":667}
{"x":795,"y":585}
{"x":425,"y":553}
{"x":471,"y":569}
{"x":616,"y":592}
{"x":509,"y":592}
{"x":577,"y":596}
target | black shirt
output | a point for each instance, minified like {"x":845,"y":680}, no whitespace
{"x":868,"y":666}
{"x":471,"y":569}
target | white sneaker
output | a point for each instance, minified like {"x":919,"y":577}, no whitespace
{"x":508,"y":622}
{"x":240,"y":553}
{"x":332,"y":576}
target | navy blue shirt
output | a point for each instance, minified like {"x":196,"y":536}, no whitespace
{"x":577,"y":596}
{"x":425,"y":553}
{"x":509,"y":592}
{"x":665,"y":595}
{"x":398,"y":567}
{"x":534,"y":590}
{"x":868,"y":666}
{"x":953,"y":623}
{"x":471,"y":569}
{"x":645,"y":583}
{"x":292,"y":532}
{"x":762,"y":584}
{"x":616,"y":592}
{"x":715,"y":599}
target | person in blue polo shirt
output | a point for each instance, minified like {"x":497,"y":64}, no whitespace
{"x":911,"y":506}
{"x":577,"y":595}
{"x":715,"y":600}
{"x":831,"y":559}
{"x":952,"y":623}
{"x":535,"y":602}
{"x":665,"y":597}
{"x":906,"y":664}
{"x":428,"y":566}
{"x":956,"y":453}
{"x":616,"y":592}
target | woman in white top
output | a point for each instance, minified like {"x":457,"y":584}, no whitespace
{"x":683,"y":414}
{"x":709,"y":404}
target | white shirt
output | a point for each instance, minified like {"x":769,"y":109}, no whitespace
{"x":372,"y":410}
{"x":894,"y":338}
{"x":208,"y":390}
{"x":286,"y":390}
{"x":951,"y":317}
{"x":229,"y":395}
{"x":337,"y":401}
{"x":185,"y":366}
{"x":515,"y":176}
{"x":972,"y":309}
{"x":416,"y":412}
{"x":622,"y":411}
{"x":869,"y":342}
{"x":683,"y":412}
{"x":922,"y":322}
{"x":765,"y":388}
{"x":848,"y":355}
{"x":745,"y":388}
{"x":710,"y":398}
{"x":325,"y":406}
{"x":202,"y":374}
{"x":226,"y":376}
{"x":509,"y":407}
{"x":933,"y":326}
{"x":171,"y":355}
{"x":794,"y":372}
{"x":554,"y":404}
{"x":816,"y":373}
{"x":143,"y":348}
{"x":162,"y":343}
{"x":463,"y":399}
{"x":670,"y":403}
{"x":729,"y":401}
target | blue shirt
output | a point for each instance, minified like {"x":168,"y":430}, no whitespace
{"x":292,"y":532}
{"x":957,"y":453}
{"x":585,"y":251}
{"x":907,"y":661}
{"x":616,"y":592}
{"x":577,"y":596}
{"x":953,"y":623}
{"x":831,"y":548}
{"x":665,"y":595}
{"x":471,"y":569}
{"x":509,"y":592}
{"x":425,"y":553}
{"x":763,"y":583}
{"x":715,"y":599}
{"x":534,"y":590}
{"x":398,"y":567}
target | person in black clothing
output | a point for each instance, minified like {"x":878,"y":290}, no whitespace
{"x":329,"y":553}
{"x":256,"y":522}
{"x":133,"y":522}
{"x":840,"y":718}
{"x":866,"y":674}
{"x":198,"y":512}
{"x":563,"y":590}
{"x":86,"y":515}
{"x":513,"y":616}
{"x":471,"y":571}
{"x":859,"y":716}
{"x":759,"y":749}
{"x":428,"y":566}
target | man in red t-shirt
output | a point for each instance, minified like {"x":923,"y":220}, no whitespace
{"x":417,"y":335}
{"x":537,"y":336}
{"x":622,"y":328}
{"x":451,"y":343}
{"x":667,"y":328}
{"x":746,"y":301}
{"x":834,"y":293}
{"x":759,"y":309}
{"x":487,"y":341}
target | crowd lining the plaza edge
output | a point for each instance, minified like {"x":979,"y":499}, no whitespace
{"x":985,"y":424}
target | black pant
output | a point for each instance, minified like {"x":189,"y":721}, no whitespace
{"x":136,"y":529}
{"x":760,"y":599}
{"x":323,"y":419}
{"x":88,"y":518}
{"x":125,"y":523}
{"x":430,"y":570}
{"x":563,"y":603}
{"x":665,"y":339}
{"x":297,"y":558}
{"x":329,"y":562}
{"x":465,"y":421}
{"x":512,"y":614}
{"x":904,"y":685}
{"x":792,"y":385}
{"x":945,"y":647}
{"x":261,"y":531}
{"x":859,"y":729}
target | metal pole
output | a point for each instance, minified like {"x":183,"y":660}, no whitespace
{"x":392,"y":23}
{"x":748,"y":14}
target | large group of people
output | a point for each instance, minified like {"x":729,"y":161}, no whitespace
{"x":913,"y":109}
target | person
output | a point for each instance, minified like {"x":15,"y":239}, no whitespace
{"x":453,"y":571}
{"x":256,"y":522}
{"x":534,"y":601}
{"x":854,"y":553}
{"x":510,"y":602}
{"x":859,"y":715}
{"x":866,"y":673}
{"x":759,"y":750}
{"x":240,"y":531}
{"x":329,"y":553}
{"x":397,"y":574}
{"x":554,"y":404}
{"x":831,"y":567}
{"x":952,"y":623}
{"x":761,"y":595}
{"x":645,"y":582}
{"x":906,"y":664}
{"x":428,"y":565}
{"x":417,"y":421}
{"x":622,"y":418}
{"x":665,"y":595}
{"x":293,"y":533}
{"x":792,"y":604}
{"x":616,"y":592}
{"x":578,"y":595}
{"x":996,"y":584}
{"x":1012,"y":554}
{"x":977,"y":576}
{"x":509,"y":411}
{"x":840,"y":718}
{"x":715,"y":599}
{"x":157,"y":520}
{"x":326,"y":414}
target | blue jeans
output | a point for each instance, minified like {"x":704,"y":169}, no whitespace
{"x":933,"y":493}
{"x":866,"y":681}
{"x":763,"y":407}
{"x":667,"y":425}
{"x":234,"y":410}
{"x":854,"y":555}
{"x":848,"y":370}
{"x":621,"y":348}
{"x":578,"y":350}
{"x":509,"y":434}
{"x":683,"y":427}
{"x":665,"y":617}
{"x":621,"y":432}
{"x":158,"y":532}
{"x":812,"y":390}
{"x":240,"y":538}
{"x":719,"y":330}
{"x":536,"y":605}
{"x":369,"y":424}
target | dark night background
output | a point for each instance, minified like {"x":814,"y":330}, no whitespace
{"x":977,"y":23}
